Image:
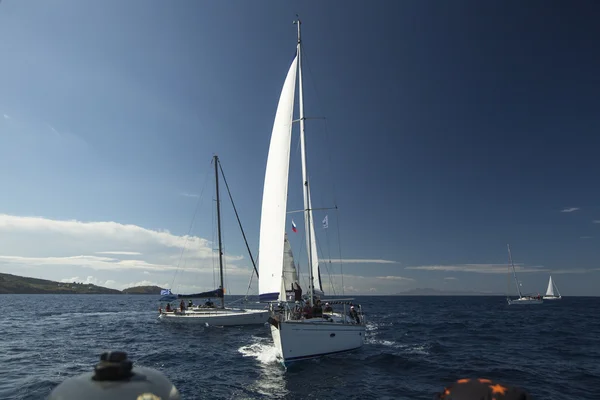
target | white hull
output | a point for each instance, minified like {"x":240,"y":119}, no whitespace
{"x":552,"y":297}
{"x":219,"y":317}
{"x":303,"y":339}
{"x":524,"y":300}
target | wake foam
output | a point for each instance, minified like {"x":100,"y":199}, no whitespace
{"x":263,"y":351}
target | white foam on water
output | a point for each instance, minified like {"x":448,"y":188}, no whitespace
{"x":371,"y":327}
{"x":404,"y":348}
{"x":263,"y":351}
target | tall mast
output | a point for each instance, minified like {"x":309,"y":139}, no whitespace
{"x":216,"y":161}
{"x":514,"y":272}
{"x":304,"y":174}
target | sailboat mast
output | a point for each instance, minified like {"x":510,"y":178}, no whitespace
{"x":514,"y":272}
{"x":304,"y":174}
{"x":216,"y":161}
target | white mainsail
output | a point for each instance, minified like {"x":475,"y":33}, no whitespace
{"x":274,"y":202}
{"x":290,"y":275}
{"x":550,"y":290}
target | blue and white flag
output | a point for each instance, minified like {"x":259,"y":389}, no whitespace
{"x":326,"y":222}
{"x":165,"y":292}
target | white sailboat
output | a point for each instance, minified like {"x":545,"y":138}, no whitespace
{"x":211,"y":315}
{"x":296,"y":337}
{"x":522,"y":299}
{"x":550,"y":295}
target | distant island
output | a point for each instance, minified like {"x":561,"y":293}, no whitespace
{"x":437,"y":292}
{"x":14,"y":284}
{"x":142,"y":290}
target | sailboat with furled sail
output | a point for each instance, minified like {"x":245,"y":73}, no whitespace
{"x":209,"y":314}
{"x":297,"y":334}
{"x":522,"y":299}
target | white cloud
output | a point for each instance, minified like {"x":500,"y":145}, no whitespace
{"x":574,"y":270}
{"x":570,"y":209}
{"x":395,"y":278}
{"x":189,"y":195}
{"x":90,"y":235}
{"x":500,"y":269}
{"x":358,"y":284}
{"x":59,"y":248}
{"x":6,"y":116}
{"x":478,"y":268}
{"x":361,"y":261}
{"x":120,"y":253}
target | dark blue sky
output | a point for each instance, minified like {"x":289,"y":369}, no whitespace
{"x":453,"y":128}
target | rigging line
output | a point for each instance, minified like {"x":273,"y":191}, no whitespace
{"x":238,"y":219}
{"x":213,"y":242}
{"x":249,"y":285}
{"x":225,"y":274}
{"x":337,"y":223}
{"x":198,"y":203}
{"x":328,"y":146}
{"x":329,"y":256}
{"x":325,"y":264}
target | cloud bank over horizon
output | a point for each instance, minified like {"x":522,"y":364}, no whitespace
{"x":119,"y":256}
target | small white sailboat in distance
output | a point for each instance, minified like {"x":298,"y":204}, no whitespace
{"x":296,"y":335}
{"x":522,"y":299}
{"x":550,"y":291}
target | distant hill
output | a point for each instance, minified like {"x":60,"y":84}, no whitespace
{"x":14,"y":284}
{"x":143,"y":290}
{"x":437,"y":292}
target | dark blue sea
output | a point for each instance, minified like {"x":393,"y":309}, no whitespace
{"x":415,"y":346}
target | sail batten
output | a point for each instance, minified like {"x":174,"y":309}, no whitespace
{"x":274,"y":202}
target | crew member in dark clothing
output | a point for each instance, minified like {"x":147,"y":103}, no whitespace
{"x":190,"y":304}
{"x":182,"y":306}
{"x":209,"y":303}
{"x":354,"y":314}
{"x":297,"y":291}
{"x":307,"y":311}
{"x":327,"y":308}
{"x":317,"y":309}
{"x":481,"y":389}
{"x":168,"y":307}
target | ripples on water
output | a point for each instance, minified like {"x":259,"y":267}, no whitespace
{"x":414,"y":346}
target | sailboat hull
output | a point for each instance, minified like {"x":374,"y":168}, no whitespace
{"x":301,"y":340}
{"x":524,"y":301}
{"x":226,"y":317}
{"x":552,"y":297}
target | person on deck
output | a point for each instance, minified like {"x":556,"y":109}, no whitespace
{"x":317,"y":310}
{"x":297,"y":291}
{"x":307,"y":311}
{"x":297,"y":311}
{"x":168,"y":307}
{"x":190,"y":304}
{"x":209,"y":303}
{"x":354,"y":314}
{"x":327,"y":308}
{"x":182,"y":306}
